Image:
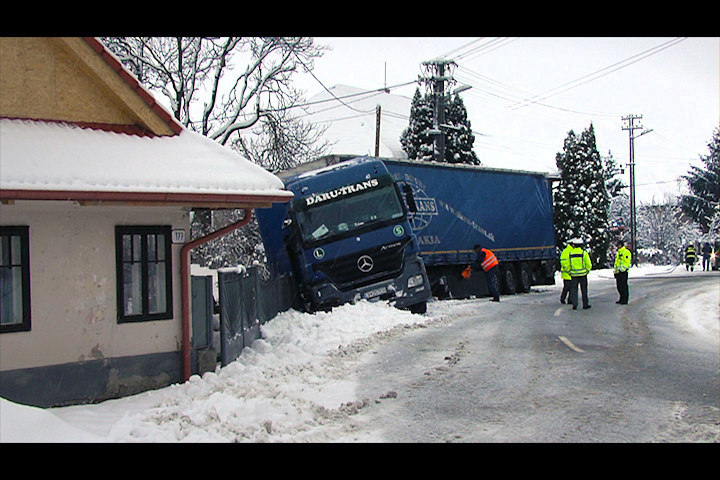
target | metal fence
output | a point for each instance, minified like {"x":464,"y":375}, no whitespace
{"x":246,"y":302}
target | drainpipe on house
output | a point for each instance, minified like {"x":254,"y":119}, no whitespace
{"x":185,"y":281}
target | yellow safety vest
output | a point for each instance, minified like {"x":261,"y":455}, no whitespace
{"x":622,"y":260}
{"x":580,"y":263}
{"x":565,"y":263}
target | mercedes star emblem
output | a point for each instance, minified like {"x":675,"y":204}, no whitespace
{"x":365,"y":263}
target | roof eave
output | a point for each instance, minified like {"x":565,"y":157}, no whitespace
{"x":190,"y":200}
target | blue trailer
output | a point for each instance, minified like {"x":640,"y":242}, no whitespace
{"x":345,"y":236}
{"x":509,"y":212}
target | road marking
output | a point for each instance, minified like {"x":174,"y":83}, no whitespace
{"x":570,"y":344}
{"x":557,"y":312}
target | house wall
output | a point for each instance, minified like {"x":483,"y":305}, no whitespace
{"x":63,"y":78}
{"x":73,"y":292}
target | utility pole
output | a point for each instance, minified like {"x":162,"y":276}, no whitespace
{"x":378,"y":115}
{"x":631,"y":127}
{"x":435,"y":76}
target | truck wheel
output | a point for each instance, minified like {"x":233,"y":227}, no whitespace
{"x":509,"y":279}
{"x":418,"y":308}
{"x":525,"y":277}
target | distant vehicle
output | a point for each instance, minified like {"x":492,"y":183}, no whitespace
{"x":345,"y":236}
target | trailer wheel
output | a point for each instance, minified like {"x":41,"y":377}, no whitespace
{"x":509,"y":279}
{"x":525,"y":277}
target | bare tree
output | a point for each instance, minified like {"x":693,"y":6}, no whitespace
{"x":663,"y":231}
{"x":284,"y":142}
{"x":218,"y":86}
{"x":227,"y":89}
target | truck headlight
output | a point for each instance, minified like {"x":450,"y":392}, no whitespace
{"x":415,"y":281}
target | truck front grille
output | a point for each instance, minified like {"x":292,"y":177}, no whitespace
{"x":365,"y":267}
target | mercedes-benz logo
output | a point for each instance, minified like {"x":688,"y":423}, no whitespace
{"x":365,"y":263}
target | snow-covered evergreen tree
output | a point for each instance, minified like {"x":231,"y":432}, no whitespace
{"x":459,"y":139}
{"x":418,"y":143}
{"x":702,"y":203}
{"x":581,"y":200}
{"x":611,"y":170}
{"x":416,"y":140}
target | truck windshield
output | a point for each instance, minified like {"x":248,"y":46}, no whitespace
{"x":346,"y":210}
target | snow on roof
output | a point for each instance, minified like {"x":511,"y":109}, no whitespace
{"x":352,"y":122}
{"x":48,"y":156}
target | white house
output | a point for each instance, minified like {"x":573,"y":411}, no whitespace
{"x":97,"y":182}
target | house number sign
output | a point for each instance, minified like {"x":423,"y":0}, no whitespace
{"x":178,"y":236}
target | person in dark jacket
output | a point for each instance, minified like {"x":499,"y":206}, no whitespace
{"x":488,"y":263}
{"x":706,"y":252}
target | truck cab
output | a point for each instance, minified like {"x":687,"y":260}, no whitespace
{"x":345,"y":236}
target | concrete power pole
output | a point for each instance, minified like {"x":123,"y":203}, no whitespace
{"x":436,"y":77}
{"x":631,"y":127}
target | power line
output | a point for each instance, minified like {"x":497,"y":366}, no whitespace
{"x":600,"y":73}
{"x":510,"y":99}
{"x":479,"y":50}
{"x":460,"y":48}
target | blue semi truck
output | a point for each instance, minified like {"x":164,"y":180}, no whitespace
{"x":417,"y":221}
{"x":345,"y":236}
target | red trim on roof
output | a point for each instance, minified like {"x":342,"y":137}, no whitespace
{"x":130,"y":79}
{"x":136,"y":130}
{"x":187,"y":199}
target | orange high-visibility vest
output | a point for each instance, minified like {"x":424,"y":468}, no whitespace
{"x":490,"y":260}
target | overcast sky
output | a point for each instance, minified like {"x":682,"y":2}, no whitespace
{"x":528,"y":93}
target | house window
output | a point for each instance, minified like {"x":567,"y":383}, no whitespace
{"x":14,"y":279}
{"x":144,"y":273}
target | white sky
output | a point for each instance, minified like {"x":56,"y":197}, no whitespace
{"x":593,"y":80}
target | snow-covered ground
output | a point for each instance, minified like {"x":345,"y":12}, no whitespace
{"x":288,"y":387}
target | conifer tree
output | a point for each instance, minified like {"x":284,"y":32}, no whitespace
{"x":581,"y":200}
{"x":702,"y":203}
{"x":613,"y":184}
{"x":459,"y":139}
{"x":416,"y":140}
{"x":418,"y":143}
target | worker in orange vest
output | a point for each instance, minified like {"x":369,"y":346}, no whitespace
{"x":488,"y":263}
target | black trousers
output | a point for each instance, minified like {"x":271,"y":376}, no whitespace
{"x":565,"y":291}
{"x":583,"y":283}
{"x":621,"y":280}
{"x":490,"y":276}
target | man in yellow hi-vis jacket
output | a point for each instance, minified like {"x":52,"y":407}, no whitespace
{"x":565,"y":273}
{"x":622,"y":265}
{"x":580,"y":266}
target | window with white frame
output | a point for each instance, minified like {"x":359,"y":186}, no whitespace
{"x":144,"y":273}
{"x":14,"y":279}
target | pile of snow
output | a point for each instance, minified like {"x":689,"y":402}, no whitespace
{"x":288,"y":386}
